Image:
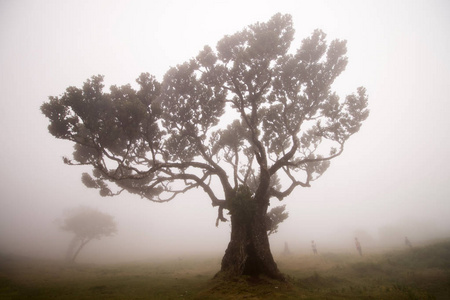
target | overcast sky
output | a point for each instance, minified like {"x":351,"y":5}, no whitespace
{"x":393,"y":174}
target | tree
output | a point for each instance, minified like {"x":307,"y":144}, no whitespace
{"x":163,"y":139}
{"x":86,"y":224}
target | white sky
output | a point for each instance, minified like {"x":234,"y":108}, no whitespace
{"x":394,"y":172}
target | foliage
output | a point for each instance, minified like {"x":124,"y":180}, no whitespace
{"x":89,"y":223}
{"x":276,"y":216}
{"x":242,"y":205}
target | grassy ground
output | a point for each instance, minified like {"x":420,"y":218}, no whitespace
{"x":419,"y":273}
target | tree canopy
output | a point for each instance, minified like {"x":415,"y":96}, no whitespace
{"x":145,"y":139}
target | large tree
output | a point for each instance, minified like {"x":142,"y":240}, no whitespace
{"x":247,"y":123}
{"x":86,"y":224}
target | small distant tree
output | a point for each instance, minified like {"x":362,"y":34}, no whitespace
{"x":86,"y":224}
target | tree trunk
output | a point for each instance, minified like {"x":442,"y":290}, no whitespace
{"x":71,"y":249}
{"x":83,"y":243}
{"x":248,"y":252}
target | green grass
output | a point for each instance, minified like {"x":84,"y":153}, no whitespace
{"x":419,"y":273}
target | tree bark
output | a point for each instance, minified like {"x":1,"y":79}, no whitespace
{"x":248,"y":251}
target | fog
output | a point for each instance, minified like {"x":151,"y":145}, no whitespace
{"x":391,"y":181}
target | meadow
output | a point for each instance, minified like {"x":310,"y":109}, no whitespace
{"x":417,"y":273}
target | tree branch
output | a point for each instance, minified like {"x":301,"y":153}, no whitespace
{"x":281,"y":195}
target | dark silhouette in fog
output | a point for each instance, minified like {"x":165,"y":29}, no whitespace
{"x":285,"y":126}
{"x":358,"y":246}
{"x":314,"y":247}
{"x":286,"y":250}
{"x":407,"y":242}
{"x":86,"y":224}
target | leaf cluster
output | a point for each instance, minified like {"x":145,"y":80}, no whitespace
{"x":275,"y":217}
{"x":87,"y":223}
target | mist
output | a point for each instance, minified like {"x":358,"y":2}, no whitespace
{"x":391,"y":182}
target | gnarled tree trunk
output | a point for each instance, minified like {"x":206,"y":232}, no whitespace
{"x":248,"y":252}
